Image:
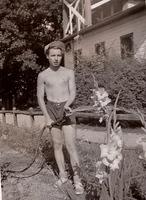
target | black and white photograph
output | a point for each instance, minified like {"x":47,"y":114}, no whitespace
{"x":73,"y":100}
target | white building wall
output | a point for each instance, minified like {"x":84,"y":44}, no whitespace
{"x":111,"y":35}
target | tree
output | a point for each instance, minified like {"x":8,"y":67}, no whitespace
{"x":26,"y":27}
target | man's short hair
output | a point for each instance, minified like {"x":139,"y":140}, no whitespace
{"x":54,"y":45}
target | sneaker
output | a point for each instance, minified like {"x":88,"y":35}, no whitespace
{"x":78,"y":188}
{"x":61,"y":181}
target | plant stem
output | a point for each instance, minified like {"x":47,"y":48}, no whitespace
{"x":0,"y":187}
{"x":110,"y":187}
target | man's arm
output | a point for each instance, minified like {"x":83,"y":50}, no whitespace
{"x":40,"y":96}
{"x":72,"y":89}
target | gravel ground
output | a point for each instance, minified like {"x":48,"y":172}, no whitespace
{"x":38,"y":187}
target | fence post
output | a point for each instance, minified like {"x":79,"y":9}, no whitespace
{"x":15,"y":116}
{"x":31,"y":116}
{"x":3,"y":115}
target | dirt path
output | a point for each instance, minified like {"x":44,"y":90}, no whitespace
{"x":130,"y":137}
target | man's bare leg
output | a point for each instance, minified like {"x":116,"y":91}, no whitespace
{"x":70,"y":136}
{"x":57,"y":138}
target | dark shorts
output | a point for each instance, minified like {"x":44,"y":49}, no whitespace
{"x":57,"y":114}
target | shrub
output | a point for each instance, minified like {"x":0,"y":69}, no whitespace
{"x":129,"y":76}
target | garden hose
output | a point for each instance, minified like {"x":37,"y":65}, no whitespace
{"x":36,"y":150}
{"x":58,"y":122}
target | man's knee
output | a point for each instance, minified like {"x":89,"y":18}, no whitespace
{"x":70,"y":147}
{"x":57,"y":145}
{"x":57,"y":138}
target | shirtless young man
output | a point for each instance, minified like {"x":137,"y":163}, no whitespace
{"x":59,"y":85}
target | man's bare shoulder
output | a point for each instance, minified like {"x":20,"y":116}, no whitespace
{"x":42,"y":74}
{"x":67,"y":70}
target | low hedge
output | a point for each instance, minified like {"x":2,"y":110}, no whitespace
{"x":116,"y":74}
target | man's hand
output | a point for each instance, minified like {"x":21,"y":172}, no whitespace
{"x":68,"y":110}
{"x":48,"y":122}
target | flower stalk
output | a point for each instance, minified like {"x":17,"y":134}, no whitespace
{"x":0,"y":186}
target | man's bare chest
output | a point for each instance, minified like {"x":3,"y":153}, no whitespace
{"x":56,"y":79}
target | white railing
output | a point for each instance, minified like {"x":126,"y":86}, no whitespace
{"x":32,"y":118}
{"x":29,"y":118}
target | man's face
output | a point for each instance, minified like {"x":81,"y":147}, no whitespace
{"x":54,"y":57}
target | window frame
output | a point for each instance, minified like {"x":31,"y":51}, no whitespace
{"x":130,"y":53}
{"x":100,"y":45}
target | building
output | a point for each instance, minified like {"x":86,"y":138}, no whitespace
{"x":93,"y":27}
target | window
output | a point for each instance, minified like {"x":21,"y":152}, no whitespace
{"x":68,"y":47}
{"x":127,"y":47}
{"x":106,"y":9}
{"x":100,"y":48}
{"x":97,"y":15}
{"x":117,"y":6}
